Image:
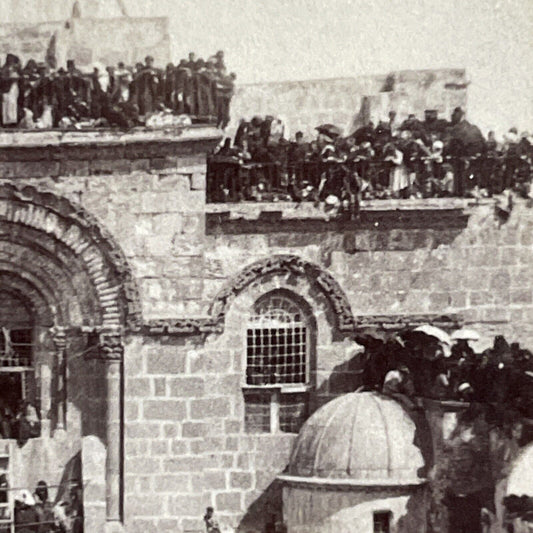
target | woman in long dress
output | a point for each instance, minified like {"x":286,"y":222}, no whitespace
{"x":399,"y":178}
{"x":10,"y":100}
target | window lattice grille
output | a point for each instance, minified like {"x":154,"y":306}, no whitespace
{"x":15,"y":347}
{"x":276,"y":343}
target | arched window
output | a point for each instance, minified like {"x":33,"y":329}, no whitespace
{"x":279,"y":338}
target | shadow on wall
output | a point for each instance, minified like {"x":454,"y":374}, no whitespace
{"x":72,"y":474}
{"x":265,"y":512}
{"x":87,"y":391}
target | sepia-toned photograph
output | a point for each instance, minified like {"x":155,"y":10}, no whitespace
{"x":266,"y":266}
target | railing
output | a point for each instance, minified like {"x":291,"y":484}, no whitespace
{"x":16,"y":359}
{"x":230,"y":179}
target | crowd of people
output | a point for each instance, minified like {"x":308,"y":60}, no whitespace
{"x":414,"y":158}
{"x":37,"y":513}
{"x":426,"y":363}
{"x":39,"y":95}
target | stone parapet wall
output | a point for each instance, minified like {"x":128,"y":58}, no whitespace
{"x":350,"y":102}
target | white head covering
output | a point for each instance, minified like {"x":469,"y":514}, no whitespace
{"x":25,"y":496}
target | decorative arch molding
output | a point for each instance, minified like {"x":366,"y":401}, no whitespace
{"x":290,"y":264}
{"x":81,"y":235}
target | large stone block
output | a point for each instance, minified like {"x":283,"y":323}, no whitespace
{"x":159,"y":447}
{"x":164,"y":410}
{"x":139,"y":525}
{"x":241,"y":480}
{"x":193,"y":525}
{"x":138,"y":387}
{"x":210,"y":408}
{"x":37,"y":169}
{"x":172,"y":483}
{"x":74,"y":168}
{"x":145,"y":505}
{"x":198,"y":180}
{"x":187,"y":505}
{"x":142,"y":465}
{"x":110,"y":166}
{"x":190,"y":463}
{"x":192,"y":430}
{"x":167,"y":525}
{"x":228,"y":501}
{"x":213,"y":362}
{"x":168,"y":361}
{"x":190,"y":387}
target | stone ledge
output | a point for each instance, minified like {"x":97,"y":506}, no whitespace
{"x":294,"y":210}
{"x":450,"y":321}
{"x":46,"y":138}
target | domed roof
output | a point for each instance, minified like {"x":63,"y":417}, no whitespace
{"x":361,"y":436}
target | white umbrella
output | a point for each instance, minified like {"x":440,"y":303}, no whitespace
{"x":433,"y":331}
{"x":465,"y":335}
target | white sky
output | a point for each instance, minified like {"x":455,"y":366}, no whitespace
{"x":271,"y":40}
{"x":301,"y":39}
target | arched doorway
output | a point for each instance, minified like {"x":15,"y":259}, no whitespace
{"x":69,"y":297}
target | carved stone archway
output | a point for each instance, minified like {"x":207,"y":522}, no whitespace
{"x":290,"y":264}
{"x":76,"y":277}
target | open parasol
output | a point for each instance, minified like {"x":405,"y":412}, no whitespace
{"x":433,"y":331}
{"x":464,"y":334}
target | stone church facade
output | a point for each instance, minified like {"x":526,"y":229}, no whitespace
{"x":146,"y":307}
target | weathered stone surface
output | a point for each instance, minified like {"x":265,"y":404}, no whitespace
{"x":164,"y":410}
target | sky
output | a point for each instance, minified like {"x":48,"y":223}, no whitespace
{"x":273,"y":40}
{"x":304,"y":39}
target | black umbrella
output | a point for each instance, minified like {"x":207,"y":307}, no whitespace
{"x":330,"y":130}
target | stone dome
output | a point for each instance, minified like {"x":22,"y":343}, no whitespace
{"x":361,"y":437}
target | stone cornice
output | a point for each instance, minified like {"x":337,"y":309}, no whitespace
{"x":201,"y":325}
{"x":451,"y":320}
{"x":291,"y":264}
{"x":32,"y":139}
{"x":351,"y":484}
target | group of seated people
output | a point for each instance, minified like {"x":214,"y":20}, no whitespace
{"x":38,"y":95}
{"x":416,"y":365}
{"x":415,"y":158}
{"x":36,"y":513}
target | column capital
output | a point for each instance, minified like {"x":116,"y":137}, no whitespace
{"x":59,"y":337}
{"x":110,"y":347}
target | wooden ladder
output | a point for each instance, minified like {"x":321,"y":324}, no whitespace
{"x":7,"y":510}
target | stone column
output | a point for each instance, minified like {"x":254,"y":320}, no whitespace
{"x":59,"y":338}
{"x":111,"y":351}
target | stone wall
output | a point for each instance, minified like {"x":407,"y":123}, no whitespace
{"x":314,"y":509}
{"x":89,"y":40}
{"x":350,"y":102}
{"x":185,"y":445}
